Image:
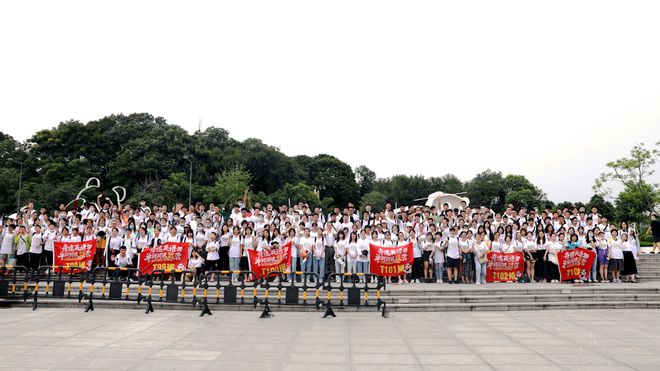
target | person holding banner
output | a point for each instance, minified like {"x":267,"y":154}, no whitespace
{"x":291,"y":237}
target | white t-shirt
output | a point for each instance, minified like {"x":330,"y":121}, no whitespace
{"x":235,"y":247}
{"x":352,"y":252}
{"x":363,"y":244}
{"x":212,"y":250}
{"x":438,"y":254}
{"x":452,"y":248}
{"x":36,"y":247}
{"x":615,"y":248}
{"x":49,"y":237}
{"x":7,"y":246}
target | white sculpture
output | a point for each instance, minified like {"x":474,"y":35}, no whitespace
{"x":437,"y":199}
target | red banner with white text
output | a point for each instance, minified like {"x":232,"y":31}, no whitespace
{"x":272,"y":260}
{"x":575,"y":264}
{"x":390,"y":261}
{"x":166,"y":256}
{"x":74,"y":254}
{"x":504,"y":267}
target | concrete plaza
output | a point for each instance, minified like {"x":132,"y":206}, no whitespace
{"x":56,"y":338}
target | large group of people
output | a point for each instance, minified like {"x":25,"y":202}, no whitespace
{"x":449,"y":243}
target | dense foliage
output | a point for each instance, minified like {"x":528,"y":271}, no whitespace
{"x":145,"y":154}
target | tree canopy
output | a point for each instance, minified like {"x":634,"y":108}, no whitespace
{"x":147,"y":156}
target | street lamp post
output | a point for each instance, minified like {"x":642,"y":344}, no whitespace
{"x":187,"y":158}
{"x":20,"y":185}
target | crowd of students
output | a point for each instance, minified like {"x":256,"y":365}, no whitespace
{"x":449,"y":244}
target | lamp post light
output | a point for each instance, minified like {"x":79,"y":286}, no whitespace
{"x":20,"y":185}
{"x":187,"y":158}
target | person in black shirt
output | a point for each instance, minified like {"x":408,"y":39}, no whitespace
{"x":655,"y":231}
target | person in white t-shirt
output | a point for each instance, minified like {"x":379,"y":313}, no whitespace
{"x":318,"y":253}
{"x":352,"y":253}
{"x":195,"y":264}
{"x":235,"y":250}
{"x":36,"y":247}
{"x":212,"y":254}
{"x":363,"y":254}
{"x":615,"y":255}
{"x":480,"y":258}
{"x":50,"y":236}
{"x":438,"y":256}
{"x":453,"y":256}
{"x":341,"y":246}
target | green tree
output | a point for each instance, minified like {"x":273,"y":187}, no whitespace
{"x":448,"y":183}
{"x":405,"y":189}
{"x":487,"y":189}
{"x":631,"y":204}
{"x":365,"y":179}
{"x":332,"y":177}
{"x":375,"y":198}
{"x":520,"y":192}
{"x":230,"y":186}
{"x":605,"y":208}
{"x":295,"y":193}
{"x":634,"y":175}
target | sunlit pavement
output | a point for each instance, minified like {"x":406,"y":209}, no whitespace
{"x":128,"y":339}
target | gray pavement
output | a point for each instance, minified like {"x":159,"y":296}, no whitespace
{"x":128,"y":339}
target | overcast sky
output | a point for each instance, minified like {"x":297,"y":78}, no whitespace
{"x":550,"y":90}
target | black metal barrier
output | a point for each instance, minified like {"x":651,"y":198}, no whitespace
{"x":182,"y":286}
{"x":168,"y":284}
{"x":227,"y":285}
{"x":59,"y":280}
{"x":292,"y":283}
{"x":113,"y":280}
{"x":10,"y":278}
{"x":353,"y":284}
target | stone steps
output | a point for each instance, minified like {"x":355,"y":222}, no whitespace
{"x":416,"y":299}
{"x":511,"y":306}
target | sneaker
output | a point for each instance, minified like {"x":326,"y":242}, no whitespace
{"x":451,"y":282}
{"x":478,"y":283}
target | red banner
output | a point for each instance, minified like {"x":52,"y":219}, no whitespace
{"x":575,"y":264}
{"x":273,"y":260}
{"x":504,"y":267}
{"x":74,"y":254}
{"x":166,"y":256}
{"x":390,"y":261}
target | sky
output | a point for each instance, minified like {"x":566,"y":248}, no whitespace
{"x":552,"y":90}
